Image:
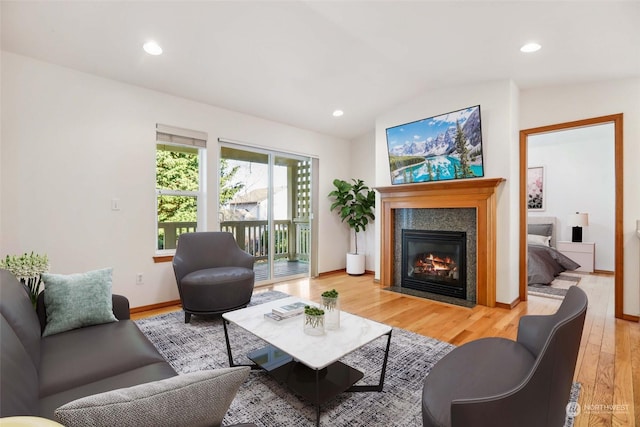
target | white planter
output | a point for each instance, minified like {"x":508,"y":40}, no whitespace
{"x":313,"y":325}
{"x":355,"y":264}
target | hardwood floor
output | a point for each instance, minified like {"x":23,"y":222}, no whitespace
{"x":608,"y":364}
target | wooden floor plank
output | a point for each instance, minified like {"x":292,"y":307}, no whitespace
{"x":602,"y":408}
{"x":634,"y":345}
{"x":623,"y":381}
{"x":587,"y":375}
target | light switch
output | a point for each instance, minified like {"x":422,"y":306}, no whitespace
{"x":115,"y":204}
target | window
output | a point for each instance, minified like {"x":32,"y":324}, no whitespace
{"x":180,"y":182}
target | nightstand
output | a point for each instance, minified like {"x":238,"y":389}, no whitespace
{"x":584,"y":253}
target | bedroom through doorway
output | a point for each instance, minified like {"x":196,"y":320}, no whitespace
{"x":559,"y":200}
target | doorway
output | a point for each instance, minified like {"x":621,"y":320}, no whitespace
{"x":265,"y":202}
{"x":617,"y":121}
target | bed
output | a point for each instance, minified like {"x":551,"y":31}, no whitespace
{"x":545,"y":262}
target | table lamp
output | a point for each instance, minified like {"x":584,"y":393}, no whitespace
{"x":577,"y":221}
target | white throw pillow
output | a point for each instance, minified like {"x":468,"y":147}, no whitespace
{"x":189,"y":400}
{"x":534,"y":239}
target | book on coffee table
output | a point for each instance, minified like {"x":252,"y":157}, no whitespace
{"x":275,"y":318}
{"x":289,"y":309}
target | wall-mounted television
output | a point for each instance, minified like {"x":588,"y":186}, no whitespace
{"x":444,"y":147}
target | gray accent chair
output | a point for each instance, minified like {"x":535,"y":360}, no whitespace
{"x":500,"y":382}
{"x":212,"y":273}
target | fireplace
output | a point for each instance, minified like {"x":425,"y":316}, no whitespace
{"x":435,"y":261}
{"x":478,"y":194}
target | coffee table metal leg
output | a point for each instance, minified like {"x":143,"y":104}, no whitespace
{"x":379,"y":386}
{"x":357,"y":388}
{"x":317,"y":398}
{"x":226,"y":338}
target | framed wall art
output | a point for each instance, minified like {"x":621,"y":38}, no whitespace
{"x":535,"y":188}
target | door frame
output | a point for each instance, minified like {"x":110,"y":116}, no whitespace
{"x":617,"y":120}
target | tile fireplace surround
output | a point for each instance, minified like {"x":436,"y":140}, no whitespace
{"x":479,"y":194}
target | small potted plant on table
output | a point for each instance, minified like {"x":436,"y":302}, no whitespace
{"x":331,"y":307}
{"x":313,"y":320}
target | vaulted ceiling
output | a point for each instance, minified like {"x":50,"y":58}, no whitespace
{"x":295,"y":62}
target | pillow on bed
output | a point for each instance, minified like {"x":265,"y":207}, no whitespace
{"x":540,"y":229}
{"x":535,"y":239}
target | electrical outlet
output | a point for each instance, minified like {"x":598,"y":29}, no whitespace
{"x":139,"y":280}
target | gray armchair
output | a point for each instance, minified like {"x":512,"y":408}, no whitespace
{"x":499,"y":382}
{"x":212,"y":273}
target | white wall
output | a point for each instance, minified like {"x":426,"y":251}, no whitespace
{"x":579,"y":177}
{"x":546,"y":106}
{"x":499,"y":114}
{"x":363,"y":167}
{"x":73,"y":141}
{"x":1,"y":139}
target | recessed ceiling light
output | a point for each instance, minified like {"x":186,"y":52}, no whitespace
{"x":530,"y":47}
{"x":338,"y":113}
{"x":152,"y":48}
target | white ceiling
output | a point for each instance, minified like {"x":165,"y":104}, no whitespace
{"x":295,"y":62}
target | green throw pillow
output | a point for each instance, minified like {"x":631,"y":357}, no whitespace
{"x":190,"y":400}
{"x":77,"y":300}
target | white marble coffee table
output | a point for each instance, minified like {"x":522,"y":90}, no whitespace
{"x":310,"y":364}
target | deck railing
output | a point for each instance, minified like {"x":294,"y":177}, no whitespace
{"x":292,"y":238}
{"x":168,"y":233}
{"x":253,"y":237}
{"x":303,"y":239}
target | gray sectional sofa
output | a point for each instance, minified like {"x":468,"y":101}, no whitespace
{"x":39,"y":374}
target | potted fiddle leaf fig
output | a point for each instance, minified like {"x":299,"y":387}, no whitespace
{"x":355,"y":203}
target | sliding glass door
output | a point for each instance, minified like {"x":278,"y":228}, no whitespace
{"x":265,"y":201}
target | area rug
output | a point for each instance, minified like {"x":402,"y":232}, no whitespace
{"x":200,"y":345}
{"x":558,"y":288}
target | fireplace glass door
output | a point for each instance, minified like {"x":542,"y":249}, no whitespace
{"x":435,"y":261}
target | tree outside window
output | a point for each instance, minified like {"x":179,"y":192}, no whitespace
{"x":177,"y":192}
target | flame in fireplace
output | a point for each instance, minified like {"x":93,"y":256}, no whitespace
{"x":434,"y":264}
